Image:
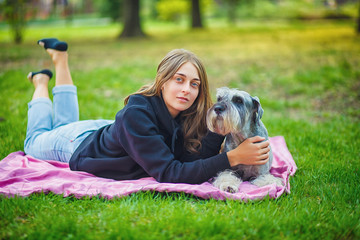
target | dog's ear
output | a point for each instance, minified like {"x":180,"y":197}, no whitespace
{"x":258,"y":111}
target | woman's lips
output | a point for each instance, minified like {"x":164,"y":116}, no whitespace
{"x":183,"y":99}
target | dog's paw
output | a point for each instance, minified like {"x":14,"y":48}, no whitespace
{"x":227,"y":181}
{"x":230,"y":189}
{"x":267,"y":179}
{"x":279,"y":182}
{"x":227,"y":188}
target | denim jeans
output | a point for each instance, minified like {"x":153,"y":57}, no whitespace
{"x":54,"y":130}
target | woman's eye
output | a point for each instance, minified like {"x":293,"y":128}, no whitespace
{"x":178,"y":79}
{"x":195,"y":84}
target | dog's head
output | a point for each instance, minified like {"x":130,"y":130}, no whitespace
{"x":233,"y":111}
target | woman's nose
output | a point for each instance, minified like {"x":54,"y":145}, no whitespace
{"x":186,"y":88}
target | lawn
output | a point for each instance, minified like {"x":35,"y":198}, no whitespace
{"x":307,"y":76}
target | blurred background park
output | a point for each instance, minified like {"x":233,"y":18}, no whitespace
{"x":134,"y":15}
{"x":300,"y":57}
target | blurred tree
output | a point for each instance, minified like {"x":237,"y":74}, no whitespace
{"x":112,"y":9}
{"x":87,"y":6}
{"x":231,"y":9}
{"x":132,"y":24}
{"x":54,"y":8}
{"x":196,"y":14}
{"x":358,"y":20}
{"x":172,"y":10}
{"x":153,"y":8}
{"x":176,"y":10}
{"x":15,"y":13}
{"x":68,"y":12}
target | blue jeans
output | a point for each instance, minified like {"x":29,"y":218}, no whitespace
{"x":54,"y":130}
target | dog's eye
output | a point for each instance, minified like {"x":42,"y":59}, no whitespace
{"x":219,"y":99}
{"x":237,"y":100}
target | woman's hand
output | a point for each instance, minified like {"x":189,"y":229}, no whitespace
{"x":250,"y":152}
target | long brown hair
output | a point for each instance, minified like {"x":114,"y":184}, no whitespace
{"x":194,"y":118}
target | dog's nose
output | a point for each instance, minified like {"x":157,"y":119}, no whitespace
{"x":219,"y":108}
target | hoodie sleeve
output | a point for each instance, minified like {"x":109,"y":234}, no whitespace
{"x":139,"y":135}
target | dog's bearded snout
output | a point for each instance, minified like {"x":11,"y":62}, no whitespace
{"x":216,"y":118}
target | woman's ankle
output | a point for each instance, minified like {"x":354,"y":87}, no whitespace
{"x":58,"y":57}
{"x":40,"y":79}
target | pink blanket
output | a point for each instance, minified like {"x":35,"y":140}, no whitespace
{"x":23,"y":175}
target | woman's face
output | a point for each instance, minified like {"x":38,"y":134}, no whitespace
{"x":180,"y":91}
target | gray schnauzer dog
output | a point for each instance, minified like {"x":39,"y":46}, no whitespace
{"x":237,"y":115}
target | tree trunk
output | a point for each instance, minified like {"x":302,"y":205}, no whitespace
{"x":54,"y":9}
{"x":132,"y":26}
{"x":232,"y":4}
{"x":358,"y":21}
{"x":18,"y":35}
{"x":15,"y":11}
{"x":196,"y":14}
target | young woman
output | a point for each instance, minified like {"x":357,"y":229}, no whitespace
{"x":161,"y":132}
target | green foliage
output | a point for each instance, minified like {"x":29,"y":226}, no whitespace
{"x":112,"y":9}
{"x":172,"y":10}
{"x":175,"y":10}
{"x":301,"y":9}
{"x":308,"y":81}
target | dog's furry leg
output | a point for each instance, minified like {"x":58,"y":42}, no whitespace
{"x":267,"y":179}
{"x":227,"y":181}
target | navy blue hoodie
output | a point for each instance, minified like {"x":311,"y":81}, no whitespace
{"x":146,"y":141}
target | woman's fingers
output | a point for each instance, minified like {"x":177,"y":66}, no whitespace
{"x":265,"y":150}
{"x":256,"y":139}
{"x":259,"y":141}
{"x":264,"y":156}
{"x":264,"y":144}
{"x":261,"y":162}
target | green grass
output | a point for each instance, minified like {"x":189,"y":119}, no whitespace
{"x":307,"y":77}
